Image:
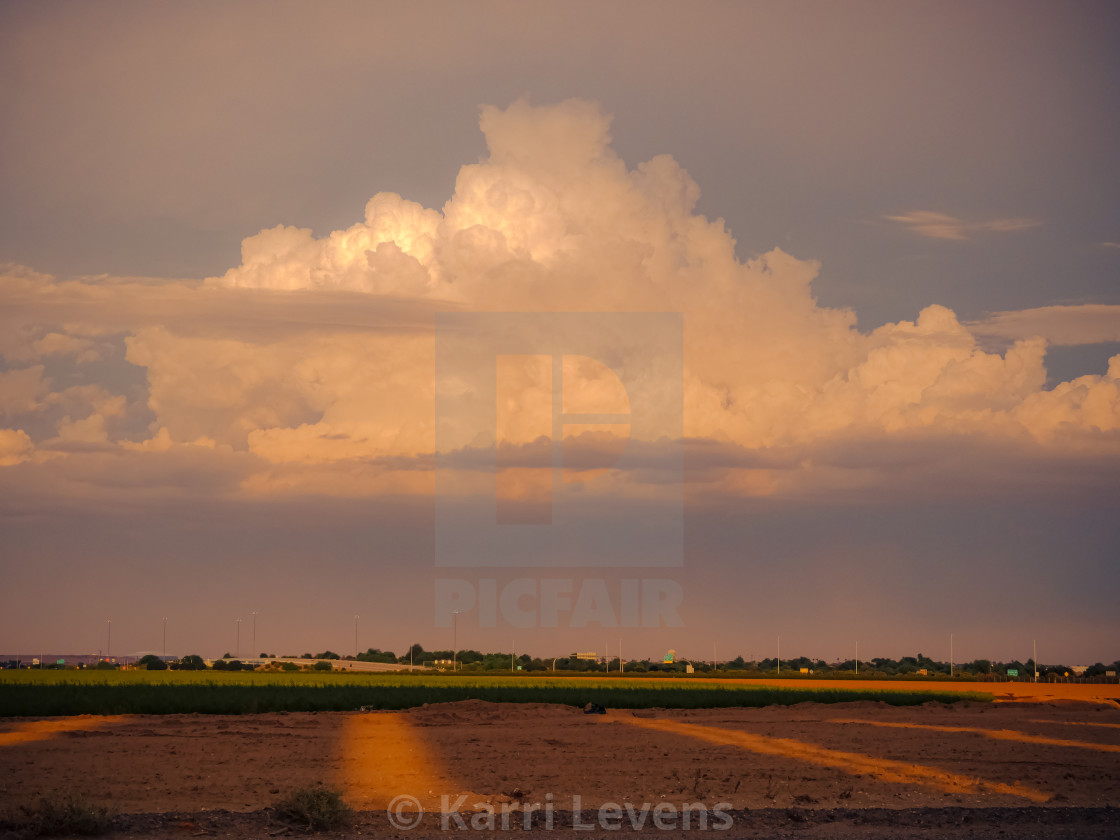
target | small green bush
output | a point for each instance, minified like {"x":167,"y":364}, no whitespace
{"x":320,"y":808}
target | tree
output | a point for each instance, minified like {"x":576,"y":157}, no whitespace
{"x":321,"y":666}
{"x":191,"y":662}
{"x":378,"y":655}
{"x":152,"y":662}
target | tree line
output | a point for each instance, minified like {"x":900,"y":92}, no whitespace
{"x":474,"y":660}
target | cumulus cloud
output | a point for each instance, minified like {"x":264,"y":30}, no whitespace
{"x":15,"y":447}
{"x":943,"y":226}
{"x":313,"y":360}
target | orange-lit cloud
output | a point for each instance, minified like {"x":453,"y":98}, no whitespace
{"x":309,"y":367}
{"x":943,"y":226}
{"x":1091,"y":323}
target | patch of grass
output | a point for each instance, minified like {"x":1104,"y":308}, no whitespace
{"x":63,"y":815}
{"x":321,"y":809}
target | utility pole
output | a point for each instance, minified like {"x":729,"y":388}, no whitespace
{"x":165,"y":635}
{"x":237,"y":647}
{"x":779,"y":656}
{"x":355,"y":637}
{"x":109,"y":639}
{"x":950,"y":656}
{"x":255,"y":633}
{"x":1035,"y":642}
{"x":857,"y":658}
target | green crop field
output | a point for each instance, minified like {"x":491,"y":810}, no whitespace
{"x":47,"y":693}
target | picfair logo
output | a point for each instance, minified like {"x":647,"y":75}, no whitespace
{"x":558,"y":440}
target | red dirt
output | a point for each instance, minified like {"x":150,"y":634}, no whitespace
{"x":809,"y":756}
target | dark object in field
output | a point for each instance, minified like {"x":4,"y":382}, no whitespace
{"x":321,"y":808}
{"x":594,"y":709}
{"x":67,"y":814}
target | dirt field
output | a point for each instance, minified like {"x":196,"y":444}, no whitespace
{"x":818,"y":759}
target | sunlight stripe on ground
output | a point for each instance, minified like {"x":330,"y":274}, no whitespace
{"x":383,"y":757}
{"x":997,"y":734}
{"x":886,"y":770}
{"x":41,"y":730}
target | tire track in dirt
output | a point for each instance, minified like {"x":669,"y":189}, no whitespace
{"x":996,"y":734}
{"x":1076,"y":723}
{"x":887,"y":770}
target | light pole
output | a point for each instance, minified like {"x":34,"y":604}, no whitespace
{"x":355,"y":637}
{"x":454,"y":640}
{"x":165,"y":635}
{"x":109,"y":638}
{"x":1035,"y":642}
{"x":255,"y":631}
{"x":950,"y":656}
{"x":779,"y":656}
{"x":237,"y":647}
{"x":857,"y":659}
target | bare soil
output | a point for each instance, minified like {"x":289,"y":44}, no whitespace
{"x":964,"y":769}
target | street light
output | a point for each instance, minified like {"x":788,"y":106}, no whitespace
{"x":255,"y":631}
{"x":950,"y":656}
{"x":165,"y":635}
{"x":355,"y":637}
{"x":237,"y":647}
{"x":454,"y":640}
{"x":109,"y":639}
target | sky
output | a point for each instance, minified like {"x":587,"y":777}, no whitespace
{"x":674,"y":326}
